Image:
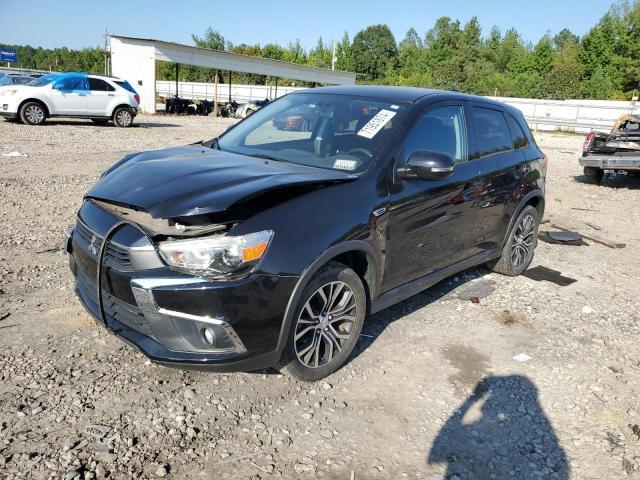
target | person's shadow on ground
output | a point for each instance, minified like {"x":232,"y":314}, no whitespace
{"x":500,"y":432}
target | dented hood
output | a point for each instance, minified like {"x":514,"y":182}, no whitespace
{"x":195,"y":180}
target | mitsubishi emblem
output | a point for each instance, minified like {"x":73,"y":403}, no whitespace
{"x":94,"y":245}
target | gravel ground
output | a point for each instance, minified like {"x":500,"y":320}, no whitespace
{"x":433,"y":392}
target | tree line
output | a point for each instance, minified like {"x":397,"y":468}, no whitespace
{"x":603,"y":64}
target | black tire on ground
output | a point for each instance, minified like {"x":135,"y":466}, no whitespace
{"x":100,"y":121}
{"x":123,"y":117}
{"x":523,"y":238}
{"x":329,"y":324}
{"x":594,"y":174}
{"x":33,"y":113}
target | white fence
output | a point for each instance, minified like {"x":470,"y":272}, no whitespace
{"x":571,"y":115}
{"x":240,"y":93}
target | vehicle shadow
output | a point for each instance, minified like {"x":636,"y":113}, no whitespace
{"x":500,"y":431}
{"x":375,"y":324}
{"x":612,"y":180}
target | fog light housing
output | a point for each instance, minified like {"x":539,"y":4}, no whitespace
{"x":209,"y":336}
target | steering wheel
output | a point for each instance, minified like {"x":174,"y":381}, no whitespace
{"x":360,"y":150}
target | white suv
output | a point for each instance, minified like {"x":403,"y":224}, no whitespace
{"x":71,"y":95}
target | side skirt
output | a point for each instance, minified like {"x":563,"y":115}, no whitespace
{"x":415,"y":286}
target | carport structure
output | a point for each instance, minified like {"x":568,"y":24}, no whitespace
{"x":134,"y":59}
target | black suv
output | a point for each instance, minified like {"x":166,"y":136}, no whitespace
{"x":268,"y":247}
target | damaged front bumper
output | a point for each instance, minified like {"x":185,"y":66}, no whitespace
{"x":175,"y":319}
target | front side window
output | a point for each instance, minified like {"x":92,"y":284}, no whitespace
{"x":338,"y":132}
{"x":492,"y":133}
{"x":441,"y":130}
{"x":71,"y":83}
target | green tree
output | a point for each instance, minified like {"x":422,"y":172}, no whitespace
{"x":343,"y":53}
{"x":373,"y":50}
{"x":320,"y":56}
{"x":212,"y":39}
{"x":543,"y":55}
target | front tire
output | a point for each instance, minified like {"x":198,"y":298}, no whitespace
{"x":123,"y":117}
{"x":327,"y":323}
{"x":518,"y":250}
{"x":33,"y":113}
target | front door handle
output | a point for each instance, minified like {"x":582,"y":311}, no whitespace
{"x":111,"y":95}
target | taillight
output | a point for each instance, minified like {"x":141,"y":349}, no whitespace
{"x":137,"y":97}
{"x":587,"y":142}
{"x":545,"y":160}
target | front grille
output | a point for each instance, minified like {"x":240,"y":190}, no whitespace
{"x":117,"y":257}
{"x":87,"y":237}
{"x":125,"y":313}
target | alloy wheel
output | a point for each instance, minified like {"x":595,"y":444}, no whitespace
{"x":522,"y":240}
{"x":123,"y":117}
{"x":34,"y":114}
{"x":325,"y":324}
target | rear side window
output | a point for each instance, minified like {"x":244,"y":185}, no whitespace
{"x":517,"y":134}
{"x":492,"y":133}
{"x":127,"y":86}
{"x":98,"y":85}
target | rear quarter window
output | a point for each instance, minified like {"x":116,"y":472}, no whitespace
{"x":99,"y":85}
{"x":126,"y":85}
{"x":517,"y":133}
{"x":492,"y":133}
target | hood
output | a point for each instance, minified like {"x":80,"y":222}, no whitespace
{"x":194,"y":180}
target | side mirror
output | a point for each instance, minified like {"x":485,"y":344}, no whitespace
{"x":427,"y":165}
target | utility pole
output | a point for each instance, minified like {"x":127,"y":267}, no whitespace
{"x":106,"y":58}
{"x":333,"y":57}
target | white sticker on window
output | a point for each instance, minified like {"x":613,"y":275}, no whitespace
{"x":376,"y":124}
{"x":345,"y":164}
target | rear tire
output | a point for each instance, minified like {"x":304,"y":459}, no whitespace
{"x":33,"y":113}
{"x":521,"y":243}
{"x":594,"y":174}
{"x":326,"y":323}
{"x":123,"y":117}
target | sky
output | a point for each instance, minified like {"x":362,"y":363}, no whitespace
{"x":75,"y":24}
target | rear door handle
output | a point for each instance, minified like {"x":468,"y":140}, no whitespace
{"x":111,"y":95}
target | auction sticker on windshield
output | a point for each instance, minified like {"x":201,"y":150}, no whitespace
{"x":376,"y":124}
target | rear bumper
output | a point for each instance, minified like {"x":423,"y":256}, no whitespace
{"x":611,"y":162}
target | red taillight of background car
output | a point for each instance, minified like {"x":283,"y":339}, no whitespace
{"x":587,"y":142}
{"x":137,"y":97}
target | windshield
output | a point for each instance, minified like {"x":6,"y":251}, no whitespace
{"x":44,"y":80}
{"x":339,"y":132}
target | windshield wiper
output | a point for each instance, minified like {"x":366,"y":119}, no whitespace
{"x":265,"y":156}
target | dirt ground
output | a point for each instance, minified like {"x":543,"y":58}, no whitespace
{"x":433,"y":392}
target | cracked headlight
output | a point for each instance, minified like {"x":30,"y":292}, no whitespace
{"x":8,"y":92}
{"x":218,"y":255}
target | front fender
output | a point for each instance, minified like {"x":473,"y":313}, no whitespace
{"x":310,"y":271}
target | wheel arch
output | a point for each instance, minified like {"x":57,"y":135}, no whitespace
{"x":121,"y":105}
{"x":47,"y":111}
{"x":534,"y":198}
{"x":355,"y":254}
